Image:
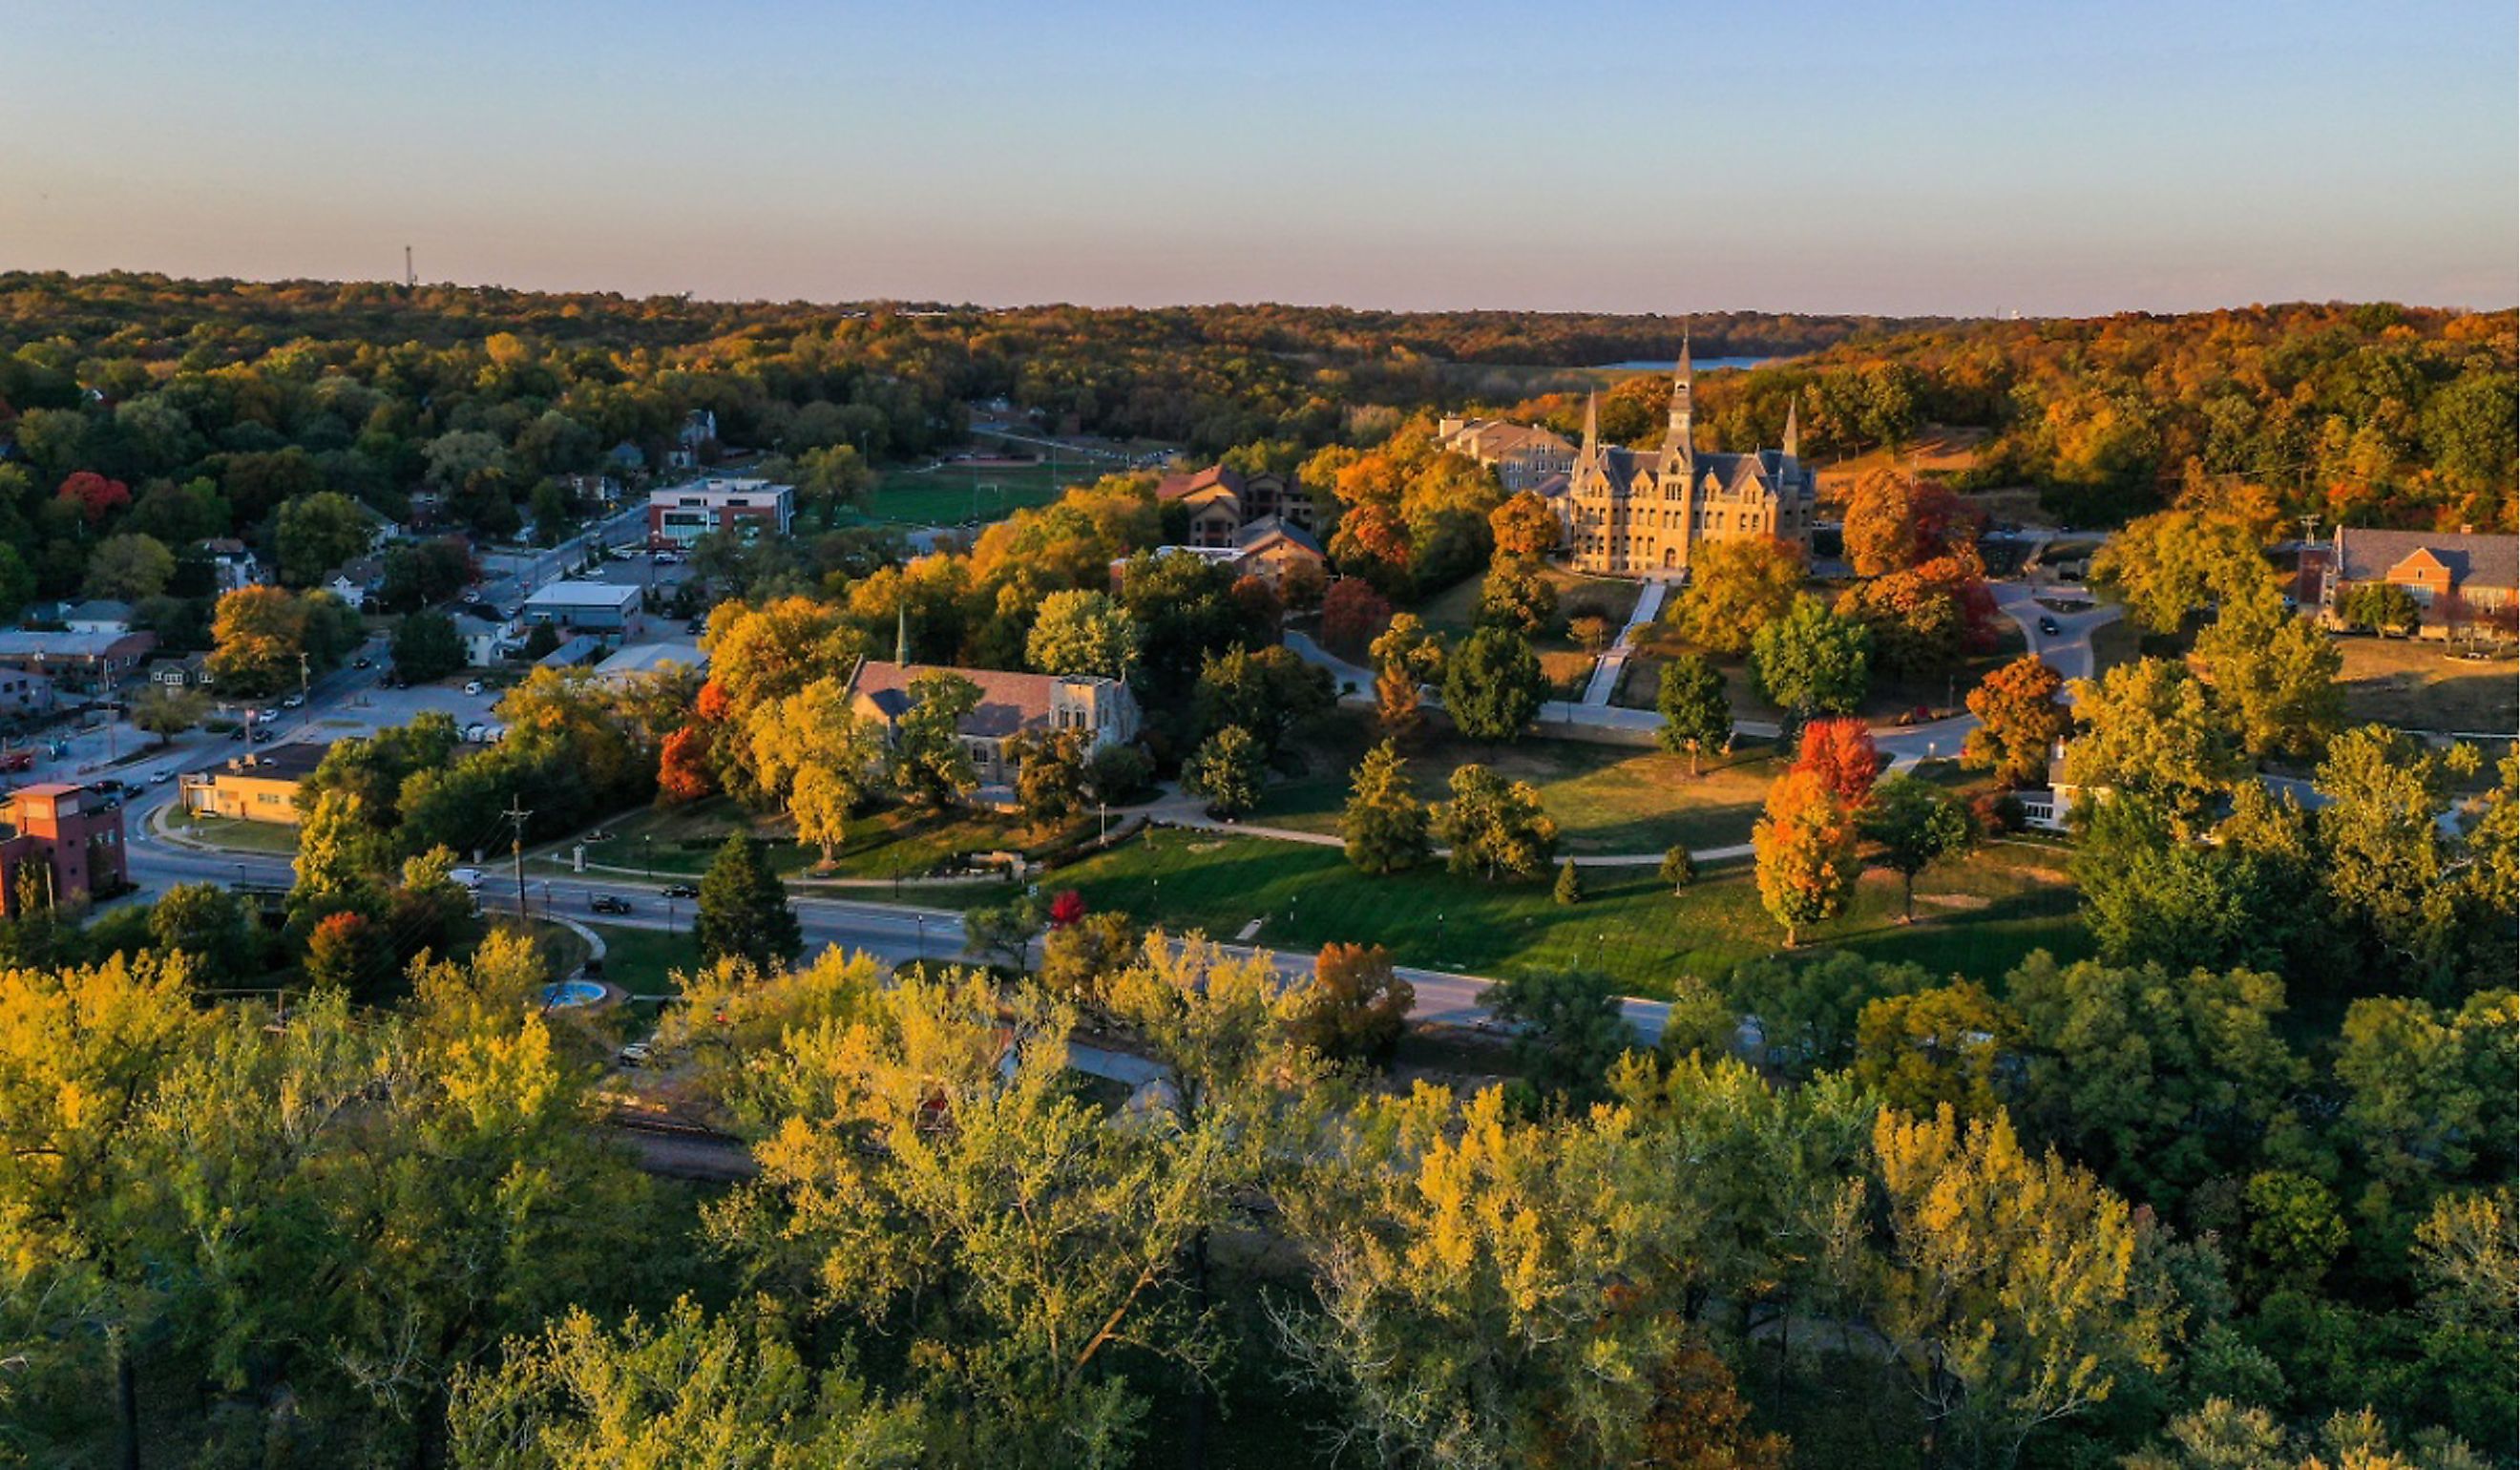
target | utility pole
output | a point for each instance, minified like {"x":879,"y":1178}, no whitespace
{"x":517,"y":815}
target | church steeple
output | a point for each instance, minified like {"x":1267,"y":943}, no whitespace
{"x":1793,"y":429}
{"x":901,"y":634}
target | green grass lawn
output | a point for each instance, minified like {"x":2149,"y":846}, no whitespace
{"x":891,"y":843}
{"x":1978,"y":918}
{"x":233,"y":835}
{"x":1448,"y":611}
{"x":1606,"y":798}
{"x":644,"y":961}
{"x":954,"y":494}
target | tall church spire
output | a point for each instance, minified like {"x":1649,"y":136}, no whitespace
{"x":1793,"y":429}
{"x":901,"y":634}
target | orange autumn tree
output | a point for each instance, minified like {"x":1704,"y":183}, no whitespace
{"x":683,"y":772}
{"x":1842,"y":753}
{"x":1806,"y":851}
{"x":2019,"y":721}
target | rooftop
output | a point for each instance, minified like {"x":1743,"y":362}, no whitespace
{"x":577,"y":593}
{"x":291,"y":762}
{"x":1008,"y":701}
{"x":648,"y":658}
{"x":2487,"y":560}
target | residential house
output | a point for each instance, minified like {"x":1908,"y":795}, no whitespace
{"x":357,"y":580}
{"x":190,"y":671}
{"x":1521,"y":454}
{"x":81,"y":662}
{"x":1011,"y":704}
{"x":1269,"y":548}
{"x":260,"y":785}
{"x":60,"y":844}
{"x":487,"y":644}
{"x":2459,"y":580}
{"x":233,"y":565}
{"x":694,"y":441}
{"x":98,"y":615}
{"x":1644,"y":513}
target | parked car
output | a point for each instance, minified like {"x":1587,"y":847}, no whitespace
{"x":262,"y":737}
{"x":237,"y":733}
{"x":636,"y":1054}
{"x":293,"y":701}
{"x":162,"y":777}
{"x":465,"y":877}
{"x":362,"y":661}
{"x":681,"y":891}
{"x":607,"y":903}
{"x":2048,"y":627}
{"x":472,"y":686}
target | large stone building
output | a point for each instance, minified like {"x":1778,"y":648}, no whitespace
{"x":1524,"y":456}
{"x":1102,"y":710}
{"x":1644,"y":511}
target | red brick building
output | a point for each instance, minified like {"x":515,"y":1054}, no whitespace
{"x":66,"y":840}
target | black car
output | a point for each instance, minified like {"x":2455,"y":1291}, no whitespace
{"x":606,"y":903}
{"x":681,"y":891}
{"x":2048,"y":627}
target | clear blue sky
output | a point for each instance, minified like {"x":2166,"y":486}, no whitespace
{"x":1965,"y":156}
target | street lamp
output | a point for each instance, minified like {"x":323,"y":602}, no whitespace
{"x":921,"y":919}
{"x":647,"y":854}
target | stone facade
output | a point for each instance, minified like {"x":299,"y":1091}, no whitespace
{"x":1644,"y":513}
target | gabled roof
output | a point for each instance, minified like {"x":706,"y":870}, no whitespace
{"x":1271,"y":528}
{"x":1008,"y":701}
{"x":98,"y":610}
{"x":2483,"y":560}
{"x":1181,"y":486}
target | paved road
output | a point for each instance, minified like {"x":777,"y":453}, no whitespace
{"x":893,"y":932}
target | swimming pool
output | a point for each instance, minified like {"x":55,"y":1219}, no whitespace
{"x":566,"y":993}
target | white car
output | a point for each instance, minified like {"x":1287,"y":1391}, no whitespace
{"x":293,"y":701}
{"x":472,"y":686}
{"x":465,"y":877}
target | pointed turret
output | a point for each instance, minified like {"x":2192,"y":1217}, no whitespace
{"x":901,"y":634}
{"x":1793,"y":429}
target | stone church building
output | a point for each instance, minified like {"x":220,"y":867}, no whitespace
{"x":1644,"y":511}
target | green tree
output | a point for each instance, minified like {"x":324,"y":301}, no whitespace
{"x":210,"y":924}
{"x":1082,"y":631}
{"x":1493,"y":686}
{"x":1570,"y":885}
{"x":317,"y":533}
{"x":1570,"y":1029}
{"x":129,"y":568}
{"x":928,"y":762}
{"x":743,"y":909}
{"x":1696,"y":711}
{"x":1384,"y":823}
{"x":2158,"y":1080}
{"x":1051,"y":776}
{"x":1808,"y":1011}
{"x":2274,"y":676}
{"x":1494,"y":828}
{"x":1917,"y":824}
{"x":1517,"y":595}
{"x":2381,"y":608}
{"x":1945,"y":1047}
{"x":427,"y":647}
{"x":1227,"y":769}
{"x":1270,"y":693}
{"x":2168,"y":566}
{"x":1811,"y":661}
{"x":1679,"y":866}
{"x":343,"y":861}
{"x":2149,"y":729}
{"x":166,"y":712}
{"x":2383,"y":858}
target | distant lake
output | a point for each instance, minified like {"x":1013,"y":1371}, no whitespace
{"x":1703,"y":363}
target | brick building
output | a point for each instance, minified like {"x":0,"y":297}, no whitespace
{"x":64,"y":843}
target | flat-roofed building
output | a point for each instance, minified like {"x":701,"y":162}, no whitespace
{"x":260,"y":785}
{"x":60,"y":844}
{"x":751,"y":508}
{"x":602,"y":606}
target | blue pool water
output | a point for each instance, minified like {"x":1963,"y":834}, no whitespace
{"x":568,"y":993}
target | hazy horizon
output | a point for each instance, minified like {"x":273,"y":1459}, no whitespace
{"x":1968,"y":161}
